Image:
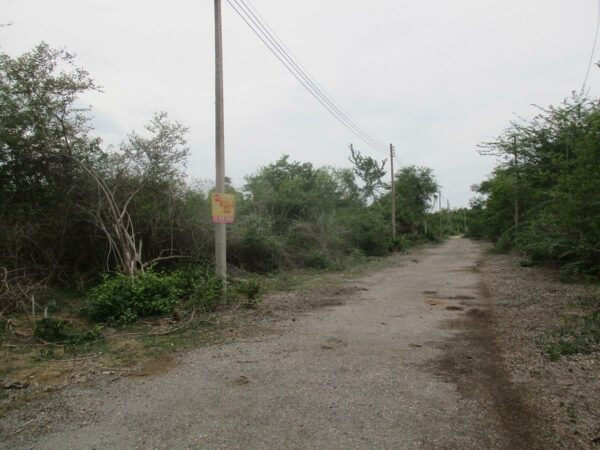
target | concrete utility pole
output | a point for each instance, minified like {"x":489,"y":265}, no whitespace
{"x":220,"y":228}
{"x":516,"y":163}
{"x":392,"y":154}
{"x":440,"y":211}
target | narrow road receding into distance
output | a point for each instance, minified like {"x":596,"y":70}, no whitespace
{"x":407,"y":363}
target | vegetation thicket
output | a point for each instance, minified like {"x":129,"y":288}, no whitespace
{"x":126,"y":226}
{"x":543,"y":198}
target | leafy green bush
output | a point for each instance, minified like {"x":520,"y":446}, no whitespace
{"x":254,"y":246}
{"x":317,"y":260}
{"x":199,"y":286}
{"x":400,"y":244}
{"x":56,"y":330}
{"x":504,"y":242}
{"x":369,"y":233}
{"x":250,"y":290}
{"x":120,"y":299}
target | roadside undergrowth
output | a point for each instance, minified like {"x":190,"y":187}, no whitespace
{"x":66,"y":348}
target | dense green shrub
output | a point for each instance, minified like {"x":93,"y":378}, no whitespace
{"x":199,"y":287}
{"x":253,"y":245}
{"x":121,"y":299}
{"x":250,"y":290}
{"x":401,"y":243}
{"x":317,"y":260}
{"x":542,"y":196}
{"x":369,"y":233}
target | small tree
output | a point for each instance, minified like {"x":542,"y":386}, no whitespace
{"x":371,"y":173}
{"x":415,"y":187}
{"x":141,"y":162}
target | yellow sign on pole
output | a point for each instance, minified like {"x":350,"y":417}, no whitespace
{"x":223,"y":208}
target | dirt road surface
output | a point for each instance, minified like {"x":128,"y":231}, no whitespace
{"x":407,"y":363}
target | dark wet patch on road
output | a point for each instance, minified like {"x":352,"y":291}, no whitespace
{"x":472,"y":361}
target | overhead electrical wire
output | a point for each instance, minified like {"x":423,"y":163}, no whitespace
{"x":265,"y":33}
{"x":587,"y":74}
{"x":305,"y":70}
{"x":262,"y":31}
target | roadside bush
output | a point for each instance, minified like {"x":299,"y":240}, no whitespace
{"x":400,"y":244}
{"x":254,"y":246}
{"x":317,"y":260}
{"x":504,"y":242}
{"x":198,"y":286}
{"x":369,"y":233}
{"x":250,"y":290}
{"x":120,"y":299}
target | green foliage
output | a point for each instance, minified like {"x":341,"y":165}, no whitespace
{"x":577,"y":335}
{"x":254,"y":245}
{"x":120,"y":299}
{"x":41,"y":129}
{"x":371,"y":173}
{"x":370,"y":231}
{"x":542,"y":197}
{"x":61,"y":331}
{"x":198,"y":286}
{"x":71,"y":209}
{"x":401,"y":243}
{"x":317,"y":260}
{"x":302,"y":216}
{"x":415,"y":188}
{"x":250,"y":290}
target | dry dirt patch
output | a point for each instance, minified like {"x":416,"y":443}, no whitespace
{"x":529,"y":302}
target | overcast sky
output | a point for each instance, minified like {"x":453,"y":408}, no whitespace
{"x":433,"y":77}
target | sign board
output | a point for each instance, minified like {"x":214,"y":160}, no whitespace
{"x":223,"y":208}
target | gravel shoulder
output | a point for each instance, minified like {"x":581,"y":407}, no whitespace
{"x":419,"y":355}
{"x":529,"y":302}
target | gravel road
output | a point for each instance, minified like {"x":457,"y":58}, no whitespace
{"x":406,"y":363}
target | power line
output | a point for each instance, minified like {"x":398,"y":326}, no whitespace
{"x":276,"y":41}
{"x":304,"y":69}
{"x":261,"y":31}
{"x":587,"y":74}
{"x":299,"y":63}
{"x":264,"y":32}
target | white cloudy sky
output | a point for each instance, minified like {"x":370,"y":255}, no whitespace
{"x":435,"y":77}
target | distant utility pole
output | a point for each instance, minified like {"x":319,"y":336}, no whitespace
{"x":220,"y":230}
{"x":516,"y":163}
{"x":392,"y":154}
{"x":441,"y":232}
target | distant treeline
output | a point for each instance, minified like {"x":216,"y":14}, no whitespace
{"x":543,"y":198}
